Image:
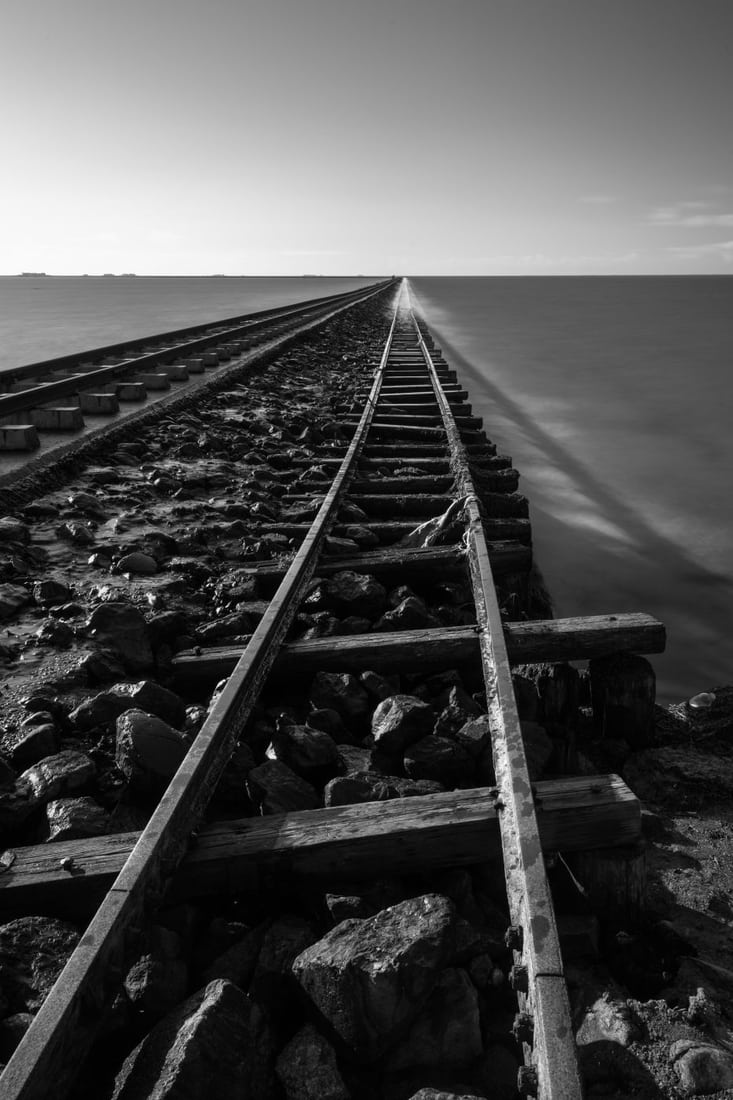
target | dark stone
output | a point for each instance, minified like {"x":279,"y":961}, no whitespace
{"x":441,"y":760}
{"x":58,"y":775}
{"x":276,"y":789}
{"x":310,"y":753}
{"x":411,"y":614}
{"x":121,"y":628}
{"x":370,"y":978}
{"x":72,"y":818}
{"x":400,"y":720}
{"x":356,"y":594}
{"x":216,"y":1044}
{"x":148,"y":750}
{"x":307,"y":1069}
{"x":342,"y":692}
{"x":459,"y":710}
{"x":33,"y":952}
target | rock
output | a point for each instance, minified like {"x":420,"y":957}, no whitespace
{"x":537,"y":746}
{"x":33,"y":952}
{"x":362,"y":536}
{"x":107,"y":706}
{"x":237,"y":963}
{"x":354,"y":759}
{"x":310,"y":753}
{"x":701,"y":1067}
{"x":76,"y":533}
{"x":14,"y":530}
{"x":475,"y":736}
{"x":158,"y":980}
{"x":340,"y":548}
{"x":400,"y":720}
{"x":329,"y":721}
{"x":137,"y":562}
{"x":441,"y":1094}
{"x":122,"y":628}
{"x":12,"y":598}
{"x":380,"y":687}
{"x":411,"y":614}
{"x":71,"y":818}
{"x":370,"y":978}
{"x":346,"y":906}
{"x":29,"y":744}
{"x":441,"y":760}
{"x":17,"y":803}
{"x":57,"y":775}
{"x":611,"y":1020}
{"x":307,"y":1070}
{"x":347,"y":790}
{"x":50,"y":591}
{"x":215,"y":1044}
{"x":12,"y":1030}
{"x":356,"y":594}
{"x":342,"y":692}
{"x":447,"y":1031}
{"x":272,"y":982}
{"x":276,"y":789}
{"x":148,"y":751}
{"x":459,"y":710}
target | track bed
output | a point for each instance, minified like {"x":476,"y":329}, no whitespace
{"x":286,"y":701}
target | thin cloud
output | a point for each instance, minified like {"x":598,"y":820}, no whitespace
{"x":722,"y":250}
{"x":684,"y":215}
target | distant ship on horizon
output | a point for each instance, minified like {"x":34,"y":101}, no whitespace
{"x":33,"y":274}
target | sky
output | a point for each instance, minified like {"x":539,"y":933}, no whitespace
{"x":435,"y":137}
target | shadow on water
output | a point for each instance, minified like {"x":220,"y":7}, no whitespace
{"x":600,"y":554}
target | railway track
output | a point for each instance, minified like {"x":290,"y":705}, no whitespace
{"x":407,"y":497}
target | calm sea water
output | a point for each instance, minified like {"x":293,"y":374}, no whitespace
{"x":613,"y":395}
{"x":46,"y":317}
{"x":615,"y":398}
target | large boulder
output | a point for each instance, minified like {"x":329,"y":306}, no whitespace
{"x":370,"y":978}
{"x":215,"y":1044}
{"x":400,"y":720}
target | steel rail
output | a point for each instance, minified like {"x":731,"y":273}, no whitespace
{"x":54,"y":1047}
{"x":538,"y":962}
{"x":42,"y":392}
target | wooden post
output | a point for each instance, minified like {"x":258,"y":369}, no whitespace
{"x":623,"y":690}
{"x":613,"y":880}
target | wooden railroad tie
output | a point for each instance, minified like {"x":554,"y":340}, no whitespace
{"x":545,"y":640}
{"x":577,"y":814}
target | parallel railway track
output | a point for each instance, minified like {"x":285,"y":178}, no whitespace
{"x":415,"y":455}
